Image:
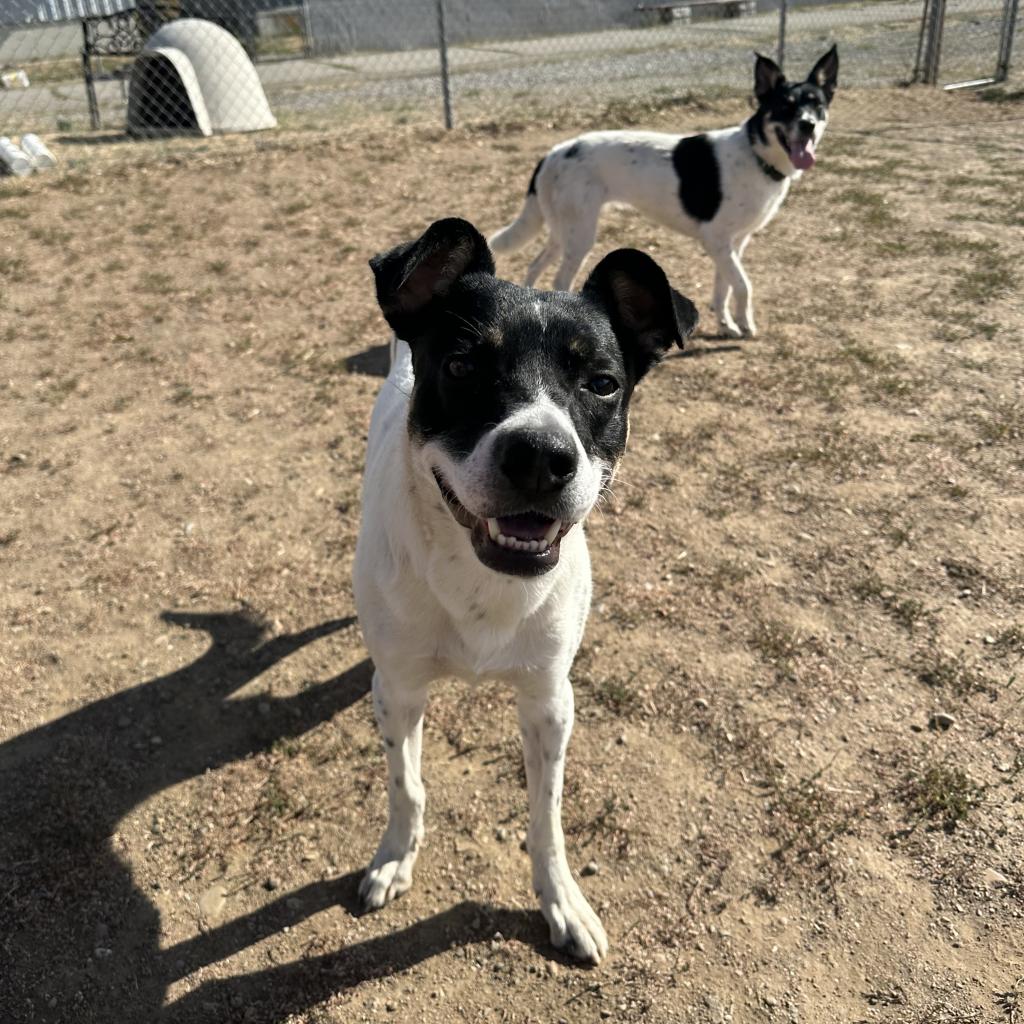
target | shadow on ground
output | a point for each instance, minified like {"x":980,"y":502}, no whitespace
{"x":78,"y":939}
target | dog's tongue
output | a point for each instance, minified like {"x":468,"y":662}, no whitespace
{"x":801,"y":154}
{"x":525,"y":527}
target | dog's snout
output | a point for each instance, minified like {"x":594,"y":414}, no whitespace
{"x":805,"y":128}
{"x":537,"y":464}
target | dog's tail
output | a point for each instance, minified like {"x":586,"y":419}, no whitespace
{"x":526,"y":226}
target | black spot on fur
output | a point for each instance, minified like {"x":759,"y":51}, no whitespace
{"x":572,"y":152}
{"x":531,"y":189}
{"x":700,"y":186}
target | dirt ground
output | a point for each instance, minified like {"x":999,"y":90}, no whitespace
{"x":795,"y":786}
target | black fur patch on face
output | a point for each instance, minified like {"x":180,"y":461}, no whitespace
{"x":784,"y":102}
{"x":700,"y":186}
{"x":491,"y":346}
{"x":572,"y":151}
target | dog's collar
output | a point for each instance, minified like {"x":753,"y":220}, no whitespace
{"x":773,"y":172}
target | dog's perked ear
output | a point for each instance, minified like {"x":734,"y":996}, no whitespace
{"x":825,"y":74}
{"x":647,"y":314}
{"x":767,"y":77}
{"x":411,"y":276}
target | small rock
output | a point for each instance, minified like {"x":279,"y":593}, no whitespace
{"x":605,"y":1013}
{"x":211,"y":903}
{"x":270,"y":884}
{"x":102,"y":952}
{"x":995,"y":879}
{"x":700,"y":703}
{"x":941,"y":720}
{"x":590,"y":868}
{"x":552,"y":968}
{"x":621,"y":740}
{"x":391,"y":1007}
{"x":501,"y":834}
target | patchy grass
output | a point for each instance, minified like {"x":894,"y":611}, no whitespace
{"x":951,"y":674}
{"x":941,"y":795}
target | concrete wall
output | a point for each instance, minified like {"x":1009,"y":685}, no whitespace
{"x":346,"y":25}
{"x":47,"y":42}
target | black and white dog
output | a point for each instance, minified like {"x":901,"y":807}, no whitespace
{"x":501,"y":423}
{"x":719,"y":186}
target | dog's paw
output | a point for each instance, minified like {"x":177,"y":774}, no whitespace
{"x":575,"y":928}
{"x":385,"y":879}
{"x":749,"y":331}
{"x":727,"y":329}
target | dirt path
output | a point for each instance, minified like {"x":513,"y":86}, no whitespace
{"x":814,"y":549}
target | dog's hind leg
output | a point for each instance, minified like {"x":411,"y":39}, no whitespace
{"x":546,"y":723}
{"x":551,"y":251}
{"x":399,"y":713}
{"x":579,"y":233}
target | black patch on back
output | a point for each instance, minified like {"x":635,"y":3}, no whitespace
{"x":572,"y":151}
{"x":531,"y":189}
{"x":700,"y":185}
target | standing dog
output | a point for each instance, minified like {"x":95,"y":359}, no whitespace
{"x":719,"y":186}
{"x":500,"y":425}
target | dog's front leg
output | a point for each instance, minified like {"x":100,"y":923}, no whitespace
{"x":546,"y":723}
{"x":399,"y":713}
{"x":731,"y":281}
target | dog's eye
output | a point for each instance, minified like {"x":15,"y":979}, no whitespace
{"x":603,"y":385}
{"x":458,"y":366}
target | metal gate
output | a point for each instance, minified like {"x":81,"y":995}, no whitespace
{"x":965,"y":43}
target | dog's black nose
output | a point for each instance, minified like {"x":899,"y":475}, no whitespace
{"x":805,"y":128}
{"x":537,"y":463}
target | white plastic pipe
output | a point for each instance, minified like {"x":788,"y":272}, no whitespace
{"x":35,"y":149}
{"x":14,"y":159}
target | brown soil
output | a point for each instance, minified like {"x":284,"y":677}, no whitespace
{"x":816,"y":544}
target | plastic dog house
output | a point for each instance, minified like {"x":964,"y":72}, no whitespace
{"x":194,"y":76}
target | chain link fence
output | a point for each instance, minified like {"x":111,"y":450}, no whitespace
{"x":151,"y":66}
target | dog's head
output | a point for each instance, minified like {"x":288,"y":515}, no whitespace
{"x":519,"y":410}
{"x":793,"y":115}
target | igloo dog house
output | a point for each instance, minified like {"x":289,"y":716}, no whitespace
{"x":194,"y":76}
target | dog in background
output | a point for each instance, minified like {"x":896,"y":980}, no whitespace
{"x":501,"y":423}
{"x":718,"y":186}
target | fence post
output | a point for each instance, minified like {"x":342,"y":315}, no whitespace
{"x":933,"y":51}
{"x":1006,"y":40}
{"x":446,"y":90}
{"x":781,"y":48}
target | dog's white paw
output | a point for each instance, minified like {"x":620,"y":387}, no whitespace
{"x":749,"y":331}
{"x":388,"y":876}
{"x":727,"y":329}
{"x":575,"y":928}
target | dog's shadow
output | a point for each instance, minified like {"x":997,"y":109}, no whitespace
{"x":374,"y":361}
{"x":277,"y":992}
{"x":697,"y":349}
{"x":80,"y":940}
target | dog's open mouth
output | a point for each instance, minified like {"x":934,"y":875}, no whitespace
{"x":801,"y":151}
{"x":524,"y":544}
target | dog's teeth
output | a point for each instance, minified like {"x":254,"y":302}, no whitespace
{"x":502,"y":540}
{"x":492,"y":529}
{"x":549,"y":537}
